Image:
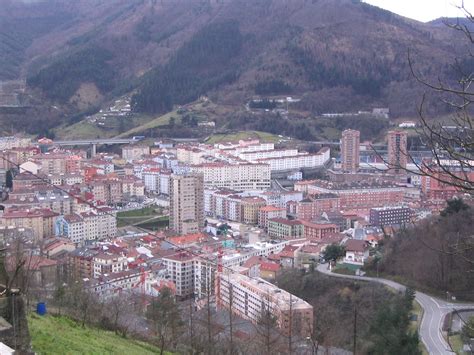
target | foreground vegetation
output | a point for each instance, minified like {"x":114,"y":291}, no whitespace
{"x":427,"y":256}
{"x":338,"y":302}
{"x":62,"y":335}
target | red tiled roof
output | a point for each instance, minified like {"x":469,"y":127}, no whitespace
{"x":266,"y":266}
{"x":356,"y":245}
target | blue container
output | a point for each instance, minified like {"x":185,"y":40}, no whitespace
{"x":41,"y":308}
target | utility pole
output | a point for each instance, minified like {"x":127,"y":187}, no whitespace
{"x":209,"y":332}
{"x":290,"y":326}
{"x":191,"y":325}
{"x":231,"y":320}
{"x":354,"y":346}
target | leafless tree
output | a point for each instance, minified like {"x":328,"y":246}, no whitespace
{"x":451,"y":145}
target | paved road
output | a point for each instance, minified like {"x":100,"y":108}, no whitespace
{"x":434,"y":311}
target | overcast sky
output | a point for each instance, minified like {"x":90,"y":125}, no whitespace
{"x":424,"y":10}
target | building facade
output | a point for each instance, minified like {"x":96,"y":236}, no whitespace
{"x":187,"y":203}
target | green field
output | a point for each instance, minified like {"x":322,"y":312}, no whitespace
{"x":61,"y":335}
{"x":144,"y":215}
{"x":156,"y":122}
{"x":86,"y":130}
{"x":235,"y":137}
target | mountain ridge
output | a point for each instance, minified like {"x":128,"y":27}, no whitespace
{"x":338,"y":55}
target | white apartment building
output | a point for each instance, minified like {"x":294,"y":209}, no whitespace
{"x":165,"y":182}
{"x":301,"y":160}
{"x":266,"y":154}
{"x":90,"y":225}
{"x":105,"y":264}
{"x":152,"y":178}
{"x":235,"y":176}
{"x":14,"y":142}
{"x":251,"y":297}
{"x":191,"y":154}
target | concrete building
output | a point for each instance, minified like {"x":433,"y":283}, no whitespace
{"x":40,"y":221}
{"x":350,"y":149}
{"x":186,"y":203}
{"x":267,"y":212}
{"x":241,"y":177}
{"x":397,"y":151}
{"x":389,"y":216}
{"x":250,"y":209}
{"x":249,"y":298}
{"x":180,"y":268}
{"x":359,"y":196}
{"x":312,"y":207}
{"x":134,"y":152}
{"x":285,"y":228}
{"x":318,"y":230}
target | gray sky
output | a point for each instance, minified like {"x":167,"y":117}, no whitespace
{"x":424,"y":10}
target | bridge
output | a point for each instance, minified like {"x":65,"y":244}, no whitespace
{"x":95,"y":142}
{"x":109,"y":141}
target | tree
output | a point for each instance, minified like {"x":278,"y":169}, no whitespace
{"x":268,"y":338}
{"x":9,"y":179}
{"x":454,"y":206}
{"x":333,"y":252}
{"x":452,"y":146}
{"x":390,"y":333}
{"x":468,"y":329}
{"x":59,"y":297}
{"x":164,"y":314}
{"x":172,"y":122}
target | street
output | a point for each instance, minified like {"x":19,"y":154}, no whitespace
{"x":434,"y":311}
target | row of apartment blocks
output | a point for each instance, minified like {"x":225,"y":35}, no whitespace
{"x":352,"y":196}
{"x":249,"y":207}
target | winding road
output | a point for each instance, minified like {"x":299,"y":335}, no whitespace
{"x":434,"y":311}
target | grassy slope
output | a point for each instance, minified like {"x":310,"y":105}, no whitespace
{"x":61,"y":335}
{"x":263,"y":136}
{"x":159,"y":121}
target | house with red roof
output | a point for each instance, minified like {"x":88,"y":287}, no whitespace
{"x":269,"y":270}
{"x":357,"y":252}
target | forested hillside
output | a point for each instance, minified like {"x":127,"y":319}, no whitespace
{"x":200,"y":65}
{"x":336,"y":55}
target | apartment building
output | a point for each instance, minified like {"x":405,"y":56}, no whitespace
{"x":283,"y":228}
{"x":240,"y":177}
{"x":397,"y":151}
{"x":104,"y":263}
{"x":180,"y":268}
{"x":350,"y":150}
{"x":134,"y":152}
{"x":152,"y":178}
{"x":92,"y":225}
{"x":52,"y":163}
{"x":389,"y":216}
{"x":186,"y":203}
{"x":249,"y":298}
{"x":250,"y":209}
{"x":40,"y":221}
{"x":299,"y":161}
{"x":360,"y":196}
{"x":268,"y":212}
{"x":318,"y":230}
{"x":312,"y":207}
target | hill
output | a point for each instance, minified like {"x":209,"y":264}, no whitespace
{"x":336,"y":55}
{"x":61,"y":335}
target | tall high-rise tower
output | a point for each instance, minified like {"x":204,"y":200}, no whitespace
{"x":187,"y":203}
{"x":397,"y":151}
{"x":350,"y":149}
